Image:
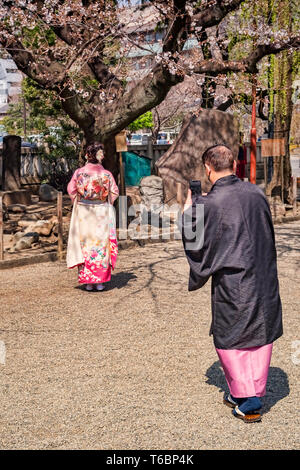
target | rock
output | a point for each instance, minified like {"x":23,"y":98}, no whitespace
{"x":55,"y":230}
{"x":41,"y":227}
{"x":26,"y":241}
{"x":47,"y":193}
{"x":16,"y":208}
{"x":16,"y":237}
{"x":35,"y":198}
{"x":34,"y":236}
{"x":151,"y":190}
{"x":24,"y":223}
{"x":133,"y":198}
{"x":10,"y":227}
{"x":21,"y":196}
{"x":5,"y":212}
{"x":33,"y":216}
{"x":152,"y":182}
{"x":277,"y":207}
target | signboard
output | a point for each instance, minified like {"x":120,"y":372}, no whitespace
{"x":272,"y":147}
{"x":295,"y":161}
{"x":121,"y":143}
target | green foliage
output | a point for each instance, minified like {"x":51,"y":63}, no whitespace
{"x":31,"y":36}
{"x":13,"y":122}
{"x":37,"y":35}
{"x":42,"y":103}
{"x":271,"y":69}
{"x":61,"y":138}
{"x":50,"y":37}
{"x":145,"y":121}
{"x":160,"y":26}
{"x":43,"y":110}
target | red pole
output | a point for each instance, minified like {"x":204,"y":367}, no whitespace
{"x":253,"y":135}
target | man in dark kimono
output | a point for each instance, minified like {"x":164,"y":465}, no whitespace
{"x":238,"y":252}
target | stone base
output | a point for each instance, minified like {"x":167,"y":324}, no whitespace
{"x":20,"y":196}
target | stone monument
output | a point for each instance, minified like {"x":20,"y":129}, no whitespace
{"x":11,"y":164}
{"x":182,"y":161}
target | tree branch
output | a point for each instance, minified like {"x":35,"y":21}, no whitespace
{"x":177,"y":33}
{"x":226,"y":104}
{"x":266,"y":49}
{"x":248,"y":64}
{"x":147,"y":94}
{"x":247,"y":99}
{"x":212,"y":16}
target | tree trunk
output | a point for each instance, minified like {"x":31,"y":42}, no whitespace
{"x":280,"y":187}
{"x":111,"y":160}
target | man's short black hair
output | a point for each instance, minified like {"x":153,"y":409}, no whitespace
{"x":219,"y":157}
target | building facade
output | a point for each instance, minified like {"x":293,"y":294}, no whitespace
{"x":10,"y":84}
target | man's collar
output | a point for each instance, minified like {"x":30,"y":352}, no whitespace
{"x":226,"y":180}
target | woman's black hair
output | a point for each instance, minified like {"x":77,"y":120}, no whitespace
{"x":92,"y":150}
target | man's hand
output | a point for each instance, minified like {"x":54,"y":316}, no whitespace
{"x":189,"y":201}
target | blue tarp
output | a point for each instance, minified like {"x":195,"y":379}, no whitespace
{"x":136,"y":168}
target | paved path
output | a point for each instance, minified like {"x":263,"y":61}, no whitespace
{"x":133,"y":367}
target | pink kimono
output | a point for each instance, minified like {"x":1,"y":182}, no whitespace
{"x":92,"y":243}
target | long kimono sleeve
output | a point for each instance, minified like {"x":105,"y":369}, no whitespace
{"x":113,"y":189}
{"x":72,"y":186}
{"x":200,"y":241}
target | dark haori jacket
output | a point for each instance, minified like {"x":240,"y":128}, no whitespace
{"x":237,"y":249}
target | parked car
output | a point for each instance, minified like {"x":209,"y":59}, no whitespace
{"x":138,"y":139}
{"x":28,"y":144}
{"x":165,"y":138}
{"x":135,"y":139}
{"x":145,"y":138}
{"x":36,"y":139}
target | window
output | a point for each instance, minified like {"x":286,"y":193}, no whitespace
{"x":159,"y":35}
{"x":149,"y":37}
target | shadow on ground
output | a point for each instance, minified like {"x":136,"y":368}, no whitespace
{"x":277,"y":385}
{"x":117,"y":281}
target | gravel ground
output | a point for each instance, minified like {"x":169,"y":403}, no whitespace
{"x":133,"y":367}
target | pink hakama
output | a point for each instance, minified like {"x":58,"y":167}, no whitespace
{"x":246,"y":370}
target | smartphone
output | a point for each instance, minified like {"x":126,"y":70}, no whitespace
{"x":195,"y":187}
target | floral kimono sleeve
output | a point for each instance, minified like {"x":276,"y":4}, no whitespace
{"x":113,"y":189}
{"x":72,"y":186}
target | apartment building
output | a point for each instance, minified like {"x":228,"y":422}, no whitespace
{"x":10,"y":84}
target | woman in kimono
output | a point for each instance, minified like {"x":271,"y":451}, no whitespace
{"x":92,"y":243}
{"x":238,"y":252}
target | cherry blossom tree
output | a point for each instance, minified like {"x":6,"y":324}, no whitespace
{"x":79,"y":49}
